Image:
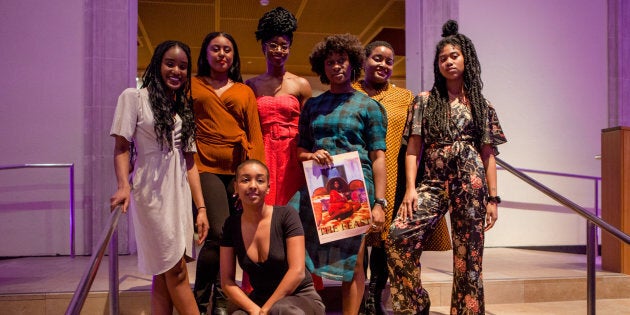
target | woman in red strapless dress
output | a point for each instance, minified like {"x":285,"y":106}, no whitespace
{"x":280,"y":96}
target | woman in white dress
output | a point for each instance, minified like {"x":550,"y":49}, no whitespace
{"x":158,"y":121}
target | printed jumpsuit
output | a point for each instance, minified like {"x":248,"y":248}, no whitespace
{"x":454,"y":181}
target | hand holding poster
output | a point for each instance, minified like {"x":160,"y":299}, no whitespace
{"x":339,"y":199}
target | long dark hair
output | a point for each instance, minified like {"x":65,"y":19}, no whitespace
{"x":203,"y":66}
{"x":438,"y":110}
{"x":162,"y":105}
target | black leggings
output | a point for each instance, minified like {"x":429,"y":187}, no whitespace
{"x":218,"y":193}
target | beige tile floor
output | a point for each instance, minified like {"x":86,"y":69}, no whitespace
{"x":517,"y":281}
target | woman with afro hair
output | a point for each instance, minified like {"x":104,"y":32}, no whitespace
{"x":455,"y":131}
{"x":342,"y":120}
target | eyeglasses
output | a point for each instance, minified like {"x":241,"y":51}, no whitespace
{"x":275,"y":46}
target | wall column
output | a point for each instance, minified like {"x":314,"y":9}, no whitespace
{"x":616,"y":139}
{"x":423,"y":30}
{"x":110,"y":58}
{"x":618,"y":63}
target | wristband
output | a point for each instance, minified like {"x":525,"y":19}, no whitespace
{"x":381,"y":201}
{"x":494,"y":199}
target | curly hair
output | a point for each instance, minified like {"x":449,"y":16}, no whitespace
{"x":377,"y":43}
{"x":438,"y":109}
{"x":276,"y":22}
{"x":203,"y":65}
{"x":163,"y":106}
{"x":339,"y":43}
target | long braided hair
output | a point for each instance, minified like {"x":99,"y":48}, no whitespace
{"x":162,"y":105}
{"x":438,"y":109}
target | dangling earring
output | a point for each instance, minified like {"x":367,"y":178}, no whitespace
{"x":238,"y":206}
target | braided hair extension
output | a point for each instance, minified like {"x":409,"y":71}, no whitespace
{"x":276,"y":22}
{"x":338,"y":43}
{"x":162,"y":105}
{"x":438,"y":109}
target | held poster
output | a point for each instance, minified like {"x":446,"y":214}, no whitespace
{"x":339,"y":199}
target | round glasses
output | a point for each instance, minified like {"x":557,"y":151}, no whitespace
{"x":275,"y":46}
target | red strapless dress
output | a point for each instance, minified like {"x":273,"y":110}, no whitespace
{"x":279,"y":117}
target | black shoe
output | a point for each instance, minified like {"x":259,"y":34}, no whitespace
{"x":369,"y":307}
{"x":373,"y":302}
{"x":219,"y":302}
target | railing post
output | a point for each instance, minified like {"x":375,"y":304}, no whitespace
{"x":114,"y":304}
{"x":83,"y":288}
{"x":72,"y":210}
{"x":51,"y":165}
{"x":591,"y":253}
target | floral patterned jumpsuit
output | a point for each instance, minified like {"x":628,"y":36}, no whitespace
{"x":454,"y":181}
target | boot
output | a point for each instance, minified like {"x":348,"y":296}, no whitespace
{"x":219,"y":301}
{"x":378,"y":280}
{"x":373,"y":302}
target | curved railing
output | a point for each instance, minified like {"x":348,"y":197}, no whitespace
{"x":82,"y":290}
{"x":591,"y":234}
{"x":53,"y":165}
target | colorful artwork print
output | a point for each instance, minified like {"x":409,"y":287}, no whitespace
{"x":338,"y":197}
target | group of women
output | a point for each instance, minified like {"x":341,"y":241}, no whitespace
{"x":233,"y":152}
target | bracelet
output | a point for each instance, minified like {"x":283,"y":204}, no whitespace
{"x":494,"y":199}
{"x":202,"y":207}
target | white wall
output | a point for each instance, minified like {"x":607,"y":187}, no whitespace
{"x":544,"y":67}
{"x":41,"y":120}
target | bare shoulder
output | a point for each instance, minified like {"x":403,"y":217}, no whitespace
{"x":251,"y":82}
{"x":257,"y":84}
{"x":299,"y":82}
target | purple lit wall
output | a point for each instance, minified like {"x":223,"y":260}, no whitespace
{"x":544,"y":66}
{"x":41,"y":121}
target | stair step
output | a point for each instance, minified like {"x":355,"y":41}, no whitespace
{"x":515,"y":280}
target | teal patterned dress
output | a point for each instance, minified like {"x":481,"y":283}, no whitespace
{"x":338,"y":123}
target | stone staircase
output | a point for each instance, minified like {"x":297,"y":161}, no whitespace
{"x":516,"y":282}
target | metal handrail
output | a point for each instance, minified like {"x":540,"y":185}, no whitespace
{"x":54,"y":165}
{"x":568,"y":203}
{"x":83,"y":288}
{"x":595,"y":180}
{"x":592,"y":223}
